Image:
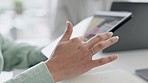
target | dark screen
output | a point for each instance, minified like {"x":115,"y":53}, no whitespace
{"x":134,"y":34}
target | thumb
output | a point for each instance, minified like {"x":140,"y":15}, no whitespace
{"x":68,"y":32}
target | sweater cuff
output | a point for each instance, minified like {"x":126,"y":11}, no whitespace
{"x":36,"y":74}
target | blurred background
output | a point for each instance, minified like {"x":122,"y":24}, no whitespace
{"x":25,"y":20}
{"x":31,"y":20}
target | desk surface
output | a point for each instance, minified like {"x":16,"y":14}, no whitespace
{"x":131,"y":60}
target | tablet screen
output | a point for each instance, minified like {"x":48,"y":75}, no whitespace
{"x":101,"y":24}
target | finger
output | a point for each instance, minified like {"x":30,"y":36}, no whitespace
{"x":104,"y":60}
{"x":68,"y":32}
{"x":82,"y":38}
{"x":104,"y":44}
{"x":99,"y":38}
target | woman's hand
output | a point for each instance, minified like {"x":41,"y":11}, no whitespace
{"x":73,"y":57}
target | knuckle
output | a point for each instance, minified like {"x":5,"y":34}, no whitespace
{"x":111,"y":40}
{"x":107,"y":35}
{"x":99,"y":37}
{"x":101,"y":61}
{"x":81,"y":47}
{"x":101,"y":45}
{"x":76,"y":40}
{"x":110,"y":59}
{"x":68,"y":31}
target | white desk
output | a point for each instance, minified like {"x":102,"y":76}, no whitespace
{"x":131,"y":60}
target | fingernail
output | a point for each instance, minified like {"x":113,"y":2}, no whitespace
{"x":114,"y":57}
{"x":117,"y":37}
{"x":110,"y":33}
{"x":66,"y":28}
{"x":67,"y":22}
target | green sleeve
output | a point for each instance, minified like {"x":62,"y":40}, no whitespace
{"x":36,"y":74}
{"x":19,"y":55}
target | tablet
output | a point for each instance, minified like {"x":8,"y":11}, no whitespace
{"x":106,"y":22}
{"x":110,"y":21}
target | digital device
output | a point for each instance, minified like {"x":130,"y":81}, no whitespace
{"x":133,"y":35}
{"x":106,"y":21}
{"x":143,"y":73}
{"x":99,"y":23}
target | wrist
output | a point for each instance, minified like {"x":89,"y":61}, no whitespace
{"x":52,"y":67}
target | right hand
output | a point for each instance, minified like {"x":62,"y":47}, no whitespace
{"x":73,"y":57}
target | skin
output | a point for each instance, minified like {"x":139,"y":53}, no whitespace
{"x":73,"y":57}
